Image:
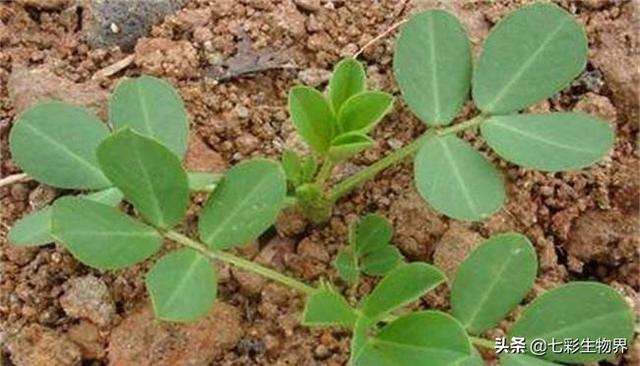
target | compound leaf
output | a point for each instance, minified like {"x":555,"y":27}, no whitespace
{"x":425,"y":338}
{"x":509,"y":359}
{"x":55,"y":143}
{"x":349,"y":144}
{"x":312,"y":117}
{"x":363,"y":111}
{"x":151,"y":107}
{"x":457,"y":180}
{"x":432,"y":65}
{"x":492,"y":280}
{"x":580,"y":310}
{"x":149,"y":175}
{"x":348,"y":79}
{"x":100,"y":236}
{"x":244,"y":204}
{"x":550,"y":141}
{"x":401,"y":286}
{"x":182,"y":285}
{"x":34,"y":229}
{"x":529,"y":56}
{"x":326,"y":307}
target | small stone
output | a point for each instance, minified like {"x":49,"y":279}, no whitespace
{"x":241,"y":111}
{"x":321,"y":352}
{"x":201,"y":158}
{"x":247,"y":143}
{"x":142,"y":340}
{"x":454,"y":246}
{"x":88,"y":298}
{"x":308,"y":5}
{"x":36,"y":345}
{"x":314,"y":77}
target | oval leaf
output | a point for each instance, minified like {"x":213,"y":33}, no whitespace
{"x":346,"y":264}
{"x":380,"y":261}
{"x":244,"y":204}
{"x":56,"y":143}
{"x":579,"y":310}
{"x":492,"y":280}
{"x":432,"y":65}
{"x":349,"y":144}
{"x":401,"y":286}
{"x":326,"y":307}
{"x":182,"y":285}
{"x":457,"y":180}
{"x":371,"y":233}
{"x":312,"y":117}
{"x":348,"y":79}
{"x":151,"y":107}
{"x":363,"y":111}
{"x":529,"y":56}
{"x":550,"y":141}
{"x":426,"y":338}
{"x":149,"y":175}
{"x":100,"y":236}
{"x":34,"y":229}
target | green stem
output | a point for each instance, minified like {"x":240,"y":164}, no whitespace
{"x":347,"y":185}
{"x":239,"y":262}
{"x":325,"y":172}
{"x":482,"y":342}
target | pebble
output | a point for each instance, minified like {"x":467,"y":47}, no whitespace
{"x":88,"y":298}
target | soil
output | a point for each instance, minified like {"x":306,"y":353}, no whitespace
{"x":233,"y":62}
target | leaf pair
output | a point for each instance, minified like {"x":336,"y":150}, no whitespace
{"x":497,"y":276}
{"x":56,"y":143}
{"x":369,"y":250}
{"x":337,"y":127}
{"x":529,"y":56}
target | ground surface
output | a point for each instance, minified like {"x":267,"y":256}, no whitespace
{"x":54,"y":311}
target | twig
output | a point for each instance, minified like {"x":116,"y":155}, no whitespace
{"x":15,"y":178}
{"x":114,"y":68}
{"x":379,"y":37}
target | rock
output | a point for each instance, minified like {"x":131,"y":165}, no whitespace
{"x":88,"y":298}
{"x":27,"y":87}
{"x":142,"y":340}
{"x":87,"y":337}
{"x":122,"y":23}
{"x":454,"y":246}
{"x":314,"y":77}
{"x":166,"y":57}
{"x":201,"y":158}
{"x":36,"y":345}
{"x":308,"y":5}
{"x":44,"y":4}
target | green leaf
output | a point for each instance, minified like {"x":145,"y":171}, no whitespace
{"x":200,"y":181}
{"x":432,"y":65}
{"x":550,"y":141}
{"x":309,"y":168}
{"x":151,"y":107}
{"x":326,"y":307}
{"x":34,"y":229}
{"x":348,"y":79}
{"x":579,"y":310}
{"x":149,"y":175}
{"x":508,"y":359}
{"x":403,"y":285}
{"x":55,"y":143}
{"x":292,"y":165}
{"x":349,"y":144}
{"x":492,"y":280}
{"x":246,"y":202}
{"x":363,"y":111}
{"x":371,"y":233}
{"x":100,"y":236}
{"x":312,"y":117}
{"x":457,"y":180}
{"x":426,"y":338}
{"x":380,"y":261}
{"x":529,"y":56}
{"x":346,"y":264}
{"x":182,"y":286}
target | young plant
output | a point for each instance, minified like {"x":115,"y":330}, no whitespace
{"x":336,"y":127}
{"x":369,"y":250}
{"x":528,"y":56}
